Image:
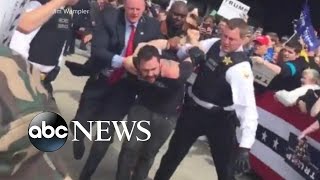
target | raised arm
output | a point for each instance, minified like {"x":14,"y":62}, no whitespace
{"x":169,"y":68}
{"x":158,"y":43}
{"x":175,"y":70}
{"x":31,"y":20}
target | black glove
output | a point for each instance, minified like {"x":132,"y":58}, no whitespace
{"x":77,"y":69}
{"x":242,"y":163}
{"x":52,"y":75}
{"x":196,"y":55}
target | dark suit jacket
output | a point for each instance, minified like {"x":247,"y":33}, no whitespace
{"x":109,"y":35}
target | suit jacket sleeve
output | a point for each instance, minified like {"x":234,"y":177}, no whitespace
{"x":100,"y":46}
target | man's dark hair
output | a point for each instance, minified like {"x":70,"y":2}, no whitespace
{"x":295,"y":45}
{"x":146,"y":53}
{"x":220,"y":18}
{"x":178,"y":4}
{"x":239,"y":23}
{"x":274,"y":37}
{"x":284,"y":39}
{"x":213,"y":19}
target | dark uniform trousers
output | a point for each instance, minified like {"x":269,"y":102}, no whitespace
{"x":101,"y":101}
{"x":137,"y":156}
{"x":219,"y":127}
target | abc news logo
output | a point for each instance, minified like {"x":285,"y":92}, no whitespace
{"x":48,"y":131}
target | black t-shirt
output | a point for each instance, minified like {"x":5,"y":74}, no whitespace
{"x":165,"y":96}
{"x":290,"y":75}
{"x":313,"y":64}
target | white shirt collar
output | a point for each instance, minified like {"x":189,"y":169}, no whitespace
{"x":238,"y":50}
{"x":128,"y":24}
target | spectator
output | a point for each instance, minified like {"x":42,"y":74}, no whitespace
{"x":96,"y":7}
{"x":30,"y":23}
{"x":290,"y":71}
{"x":172,"y":27}
{"x":162,"y":15}
{"x":261,"y":45}
{"x":283,"y":40}
{"x":207,"y":28}
{"x":310,"y":103}
{"x":81,"y":23}
{"x":248,"y":44}
{"x":274,"y":38}
{"x":48,"y":25}
{"x":222,"y":24}
{"x":152,"y":9}
{"x":177,"y":14}
{"x":113,"y":3}
{"x":310,"y":80}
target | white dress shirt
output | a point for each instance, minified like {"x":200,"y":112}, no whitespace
{"x":117,"y":60}
{"x":240,"y":78}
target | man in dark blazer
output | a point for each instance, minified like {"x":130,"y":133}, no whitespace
{"x":102,"y":98}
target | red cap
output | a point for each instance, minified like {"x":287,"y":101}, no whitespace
{"x":262,"y":40}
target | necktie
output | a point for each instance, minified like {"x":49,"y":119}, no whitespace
{"x":118,"y":73}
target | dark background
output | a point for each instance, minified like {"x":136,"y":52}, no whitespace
{"x":272,"y":15}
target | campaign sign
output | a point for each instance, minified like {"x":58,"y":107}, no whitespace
{"x":304,"y":158}
{"x":233,"y":9}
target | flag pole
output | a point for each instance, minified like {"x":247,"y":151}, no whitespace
{"x":294,"y":34}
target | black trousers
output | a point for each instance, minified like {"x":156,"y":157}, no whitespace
{"x":195,"y":121}
{"x":100,"y":101}
{"x":137,"y":157}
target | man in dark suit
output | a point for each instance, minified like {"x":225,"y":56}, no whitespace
{"x":106,"y":96}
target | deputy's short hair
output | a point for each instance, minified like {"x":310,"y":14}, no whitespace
{"x":238,"y":23}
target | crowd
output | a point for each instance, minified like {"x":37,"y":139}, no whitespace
{"x":167,"y":65}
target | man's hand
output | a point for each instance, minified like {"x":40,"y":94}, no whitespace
{"x":87,"y":38}
{"x":302,"y":106}
{"x":242,"y":164}
{"x":71,"y":2}
{"x":257,"y":60}
{"x":302,"y":136}
{"x":193,"y":36}
{"x":174,"y":43}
